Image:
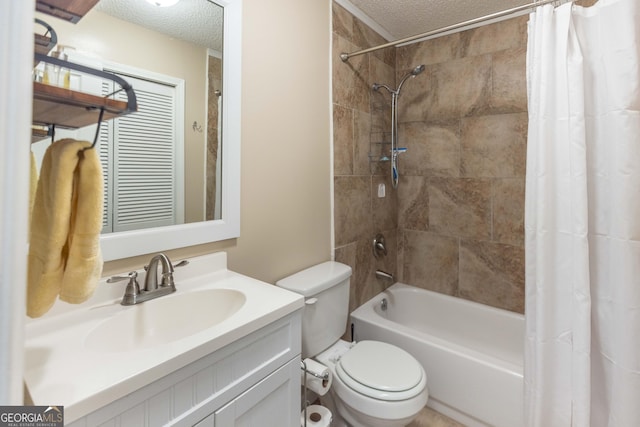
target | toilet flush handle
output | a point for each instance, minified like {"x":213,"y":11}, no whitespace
{"x":311,"y":301}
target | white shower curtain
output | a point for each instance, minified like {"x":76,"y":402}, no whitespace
{"x":582,"y":216}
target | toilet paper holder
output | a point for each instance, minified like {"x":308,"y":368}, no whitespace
{"x":324,"y":377}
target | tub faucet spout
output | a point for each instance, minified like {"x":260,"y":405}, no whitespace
{"x":380,"y":273}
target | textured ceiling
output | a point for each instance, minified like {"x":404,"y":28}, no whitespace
{"x":398,"y":19}
{"x":196,"y":21}
{"x":200,"y":21}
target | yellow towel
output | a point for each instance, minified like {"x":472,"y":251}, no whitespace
{"x":84,"y":260}
{"x":64,"y":252}
{"x":33,"y":184}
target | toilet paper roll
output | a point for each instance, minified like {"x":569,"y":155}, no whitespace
{"x":317,"y":416}
{"x":317,"y":385}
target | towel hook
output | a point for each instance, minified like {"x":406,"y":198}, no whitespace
{"x":95,"y":138}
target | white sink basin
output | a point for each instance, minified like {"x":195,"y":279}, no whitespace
{"x":164,"y":320}
{"x":89,"y":355}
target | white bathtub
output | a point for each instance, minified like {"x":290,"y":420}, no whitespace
{"x":472,"y":353}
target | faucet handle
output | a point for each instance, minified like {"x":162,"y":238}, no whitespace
{"x":181,"y":263}
{"x":133,"y":288}
{"x":132,"y":275}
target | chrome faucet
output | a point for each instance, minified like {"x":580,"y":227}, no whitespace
{"x":379,"y":248}
{"x":384,"y":274}
{"x":152,"y":289}
{"x":151,"y":280}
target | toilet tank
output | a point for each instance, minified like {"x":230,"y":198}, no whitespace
{"x":325,"y":288}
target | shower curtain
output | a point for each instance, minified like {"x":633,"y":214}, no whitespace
{"x":582,"y":216}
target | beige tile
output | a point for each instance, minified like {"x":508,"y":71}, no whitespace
{"x":380,"y":73}
{"x":509,"y":92}
{"x":384,"y":209}
{"x":434,"y":51}
{"x":508,"y":210}
{"x":417,"y":95}
{"x":494,"y":146}
{"x":362,"y":142}
{"x":462,"y":177}
{"x":358,"y":255}
{"x":458,"y":88}
{"x":460,"y":207}
{"x":432,"y":150}
{"x":380,"y":111}
{"x":343,"y":141}
{"x":347,"y":254}
{"x":430,"y":418}
{"x":352,"y":208}
{"x":350,"y":79}
{"x":365,"y":37}
{"x":413,"y":203}
{"x":365,"y":286}
{"x":494,"y":37}
{"x":370,"y":285}
{"x":380,"y":148}
{"x":493,"y":274}
{"x":342,"y":21}
{"x":430,"y":261}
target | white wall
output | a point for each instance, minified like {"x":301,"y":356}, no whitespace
{"x":16,"y":39}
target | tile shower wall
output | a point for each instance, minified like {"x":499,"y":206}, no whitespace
{"x":359,"y":213}
{"x":214,"y":79}
{"x":461,"y":198}
{"x":455,"y":223}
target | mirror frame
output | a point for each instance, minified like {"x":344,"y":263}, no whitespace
{"x":139,"y":242}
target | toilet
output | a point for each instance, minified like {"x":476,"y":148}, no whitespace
{"x":375,"y":384}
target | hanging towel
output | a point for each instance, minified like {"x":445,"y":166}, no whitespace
{"x":33,"y":184}
{"x":84,"y":259}
{"x":64,"y":252}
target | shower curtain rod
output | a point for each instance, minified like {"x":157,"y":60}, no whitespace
{"x":345,"y":56}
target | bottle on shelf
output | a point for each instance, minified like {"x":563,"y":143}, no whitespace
{"x":55,"y":75}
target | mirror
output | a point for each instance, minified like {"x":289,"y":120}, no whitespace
{"x":206,"y":183}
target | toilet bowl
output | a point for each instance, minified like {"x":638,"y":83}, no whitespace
{"x":375,"y":384}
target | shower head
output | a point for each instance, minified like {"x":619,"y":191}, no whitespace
{"x":417,"y":70}
{"x":376,"y":87}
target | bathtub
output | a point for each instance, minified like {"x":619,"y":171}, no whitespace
{"x":472,"y":353}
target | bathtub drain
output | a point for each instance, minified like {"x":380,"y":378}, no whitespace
{"x":383,"y":304}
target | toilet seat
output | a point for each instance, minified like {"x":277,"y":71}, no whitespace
{"x":381,"y":371}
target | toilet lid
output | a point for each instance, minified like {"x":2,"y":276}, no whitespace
{"x":381,"y":370}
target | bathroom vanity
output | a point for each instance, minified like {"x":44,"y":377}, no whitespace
{"x":223,"y":349}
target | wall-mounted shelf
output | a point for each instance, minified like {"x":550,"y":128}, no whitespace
{"x":38,"y":133}
{"x":69,"y":10}
{"x":57,"y":106}
{"x":43,"y":43}
{"x":70,"y":109}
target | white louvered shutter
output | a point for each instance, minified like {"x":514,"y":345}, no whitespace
{"x":106,"y":160}
{"x":143,"y":189}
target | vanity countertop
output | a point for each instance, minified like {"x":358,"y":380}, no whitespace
{"x":62,"y":369}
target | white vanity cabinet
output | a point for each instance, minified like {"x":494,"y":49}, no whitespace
{"x":252,"y":381}
{"x":266,"y":404}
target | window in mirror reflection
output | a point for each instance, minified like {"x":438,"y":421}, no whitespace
{"x":159,"y":169}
